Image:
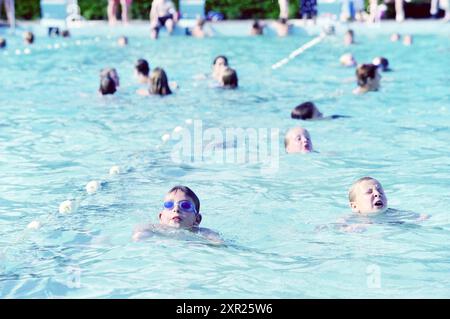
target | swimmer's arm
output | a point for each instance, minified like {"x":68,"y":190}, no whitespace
{"x":357,"y":91}
{"x":143,"y":92}
{"x":173,"y":85}
{"x":212,"y":236}
{"x":343,"y":225}
{"x":201,"y":76}
{"x":141,"y":233}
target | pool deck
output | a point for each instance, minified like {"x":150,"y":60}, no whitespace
{"x":241,"y":28}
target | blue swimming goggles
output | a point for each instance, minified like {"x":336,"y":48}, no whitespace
{"x":184,"y":205}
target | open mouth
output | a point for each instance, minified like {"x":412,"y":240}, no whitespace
{"x":379,"y":204}
{"x":176,"y":219}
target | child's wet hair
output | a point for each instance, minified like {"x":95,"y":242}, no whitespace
{"x":107,"y":85}
{"x":230,"y":78}
{"x":351,"y":192}
{"x":142,"y":67}
{"x":304,"y":111}
{"x":188,"y":192}
{"x":225,"y":59}
{"x":159,"y":83}
{"x":2,"y":43}
{"x":364,"y":72}
{"x":383,"y":63}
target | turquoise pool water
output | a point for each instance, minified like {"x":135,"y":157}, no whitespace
{"x":57,"y":134}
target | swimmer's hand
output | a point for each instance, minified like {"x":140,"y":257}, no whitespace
{"x":199,"y":77}
{"x":354,"y":228}
{"x":143,"y":92}
{"x":174,"y":85}
{"x":141,"y":233}
{"x":423,"y":217}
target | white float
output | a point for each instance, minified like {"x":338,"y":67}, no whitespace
{"x":67,"y":207}
{"x":34,"y":225}
{"x":92,"y":187}
{"x":114,"y":170}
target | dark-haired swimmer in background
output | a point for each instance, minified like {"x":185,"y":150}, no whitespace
{"x":382,"y":63}
{"x":142,"y":71}
{"x":309,"y":111}
{"x":109,"y":81}
{"x":257,"y":28}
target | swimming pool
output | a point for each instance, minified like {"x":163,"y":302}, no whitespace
{"x":57,"y":134}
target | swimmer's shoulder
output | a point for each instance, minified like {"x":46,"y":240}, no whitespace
{"x":143,"y":92}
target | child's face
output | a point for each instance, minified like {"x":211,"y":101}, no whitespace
{"x":369,"y":198}
{"x":219,"y":67}
{"x":299,"y":141}
{"x":176,"y":216}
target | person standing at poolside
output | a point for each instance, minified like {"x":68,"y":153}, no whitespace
{"x":162,"y":14}
{"x":284,"y":9}
{"x":112,"y":10}
{"x":9,"y":9}
{"x":440,"y":4}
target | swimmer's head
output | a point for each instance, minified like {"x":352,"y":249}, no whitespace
{"x":159,"y":83}
{"x":142,"y":68}
{"x":2,"y":43}
{"x":395,"y":37}
{"x":367,"y":77}
{"x":181,"y":208}
{"x":229,"y":78}
{"x":122,"y":41}
{"x":107,"y":85}
{"x":366,"y":196}
{"x":306,"y":111}
{"x":112,"y":73}
{"x":65,"y":34}
{"x":347,"y":59}
{"x":200,"y":22}
{"x":219,"y":64}
{"x":28,"y":37}
{"x":382,"y":63}
{"x":408,"y":40}
{"x":349,"y":37}
{"x":257,"y":28}
{"x":298,"y":140}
